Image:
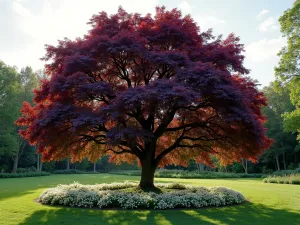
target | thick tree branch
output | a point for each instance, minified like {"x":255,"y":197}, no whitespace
{"x":169,"y":149}
{"x":164,"y":124}
{"x":123,"y":73}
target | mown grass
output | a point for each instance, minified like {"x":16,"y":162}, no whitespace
{"x":269,"y":204}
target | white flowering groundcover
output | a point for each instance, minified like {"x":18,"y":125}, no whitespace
{"x":125,"y":196}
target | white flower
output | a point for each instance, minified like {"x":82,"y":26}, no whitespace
{"x":112,"y":195}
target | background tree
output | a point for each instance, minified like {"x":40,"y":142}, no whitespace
{"x":154,"y":89}
{"x":9,"y":110}
{"x":288,"y":70}
{"x":278,"y":104}
{"x":28,"y":80}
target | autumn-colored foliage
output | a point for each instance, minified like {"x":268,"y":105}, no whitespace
{"x":153,"y":88}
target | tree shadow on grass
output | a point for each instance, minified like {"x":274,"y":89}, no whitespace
{"x":5,"y":195}
{"x":242,"y":214}
{"x":245,"y":214}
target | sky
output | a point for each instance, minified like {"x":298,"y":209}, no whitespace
{"x":27,"y":25}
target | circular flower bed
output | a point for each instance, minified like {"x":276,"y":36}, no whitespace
{"x":127,"y":196}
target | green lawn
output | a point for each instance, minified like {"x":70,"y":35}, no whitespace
{"x":270,"y":204}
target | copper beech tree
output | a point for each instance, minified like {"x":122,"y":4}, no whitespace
{"x":150,"y":88}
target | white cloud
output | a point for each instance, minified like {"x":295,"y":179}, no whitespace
{"x":185,"y":7}
{"x":264,"y":49}
{"x":55,"y":20}
{"x":268,"y":24}
{"x":69,"y":20}
{"x":27,"y":56}
{"x":206,"y":22}
{"x":19,"y":9}
{"x":262,"y":13}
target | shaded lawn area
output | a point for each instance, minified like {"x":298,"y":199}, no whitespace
{"x":270,"y":204}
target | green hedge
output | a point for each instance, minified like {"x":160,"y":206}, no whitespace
{"x":286,"y":172}
{"x":287,"y":179}
{"x":127,"y":172}
{"x":72,"y":171}
{"x":191,"y":174}
{"x":203,"y":175}
{"x":18,"y":175}
{"x":27,"y":170}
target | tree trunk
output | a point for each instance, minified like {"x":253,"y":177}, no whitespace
{"x":147,"y":176}
{"x":245,"y":165}
{"x":38,"y":162}
{"x":16,"y":162}
{"x":68,"y":164}
{"x":95,"y":167}
{"x":149,"y":165}
{"x":201,"y":167}
{"x":21,"y":145}
{"x":284,"y":162}
{"x":277,"y":161}
{"x":41,"y":165}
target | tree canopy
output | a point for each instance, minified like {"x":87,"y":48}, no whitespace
{"x":153,"y":88}
{"x":288,"y":70}
{"x":279,"y":103}
{"x":9,"y":110}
